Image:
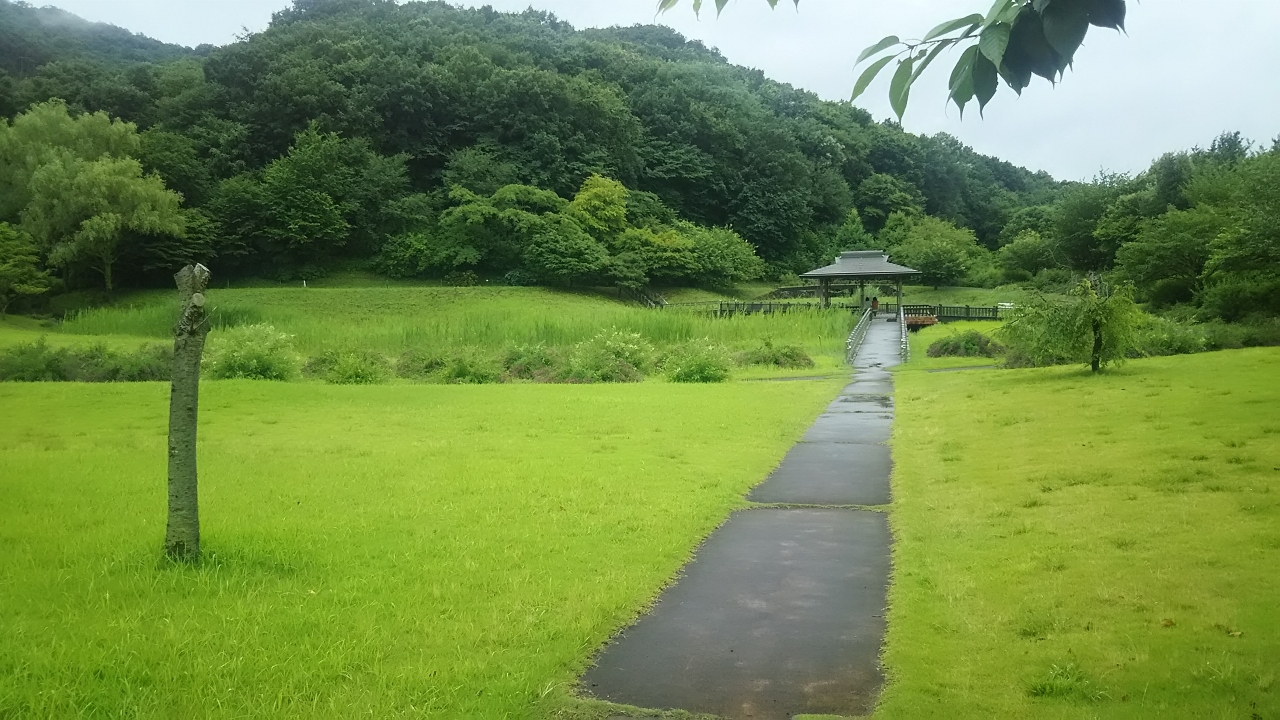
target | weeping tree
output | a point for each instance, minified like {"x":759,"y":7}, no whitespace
{"x":182,"y":533}
{"x":1014,"y":41}
{"x":1095,"y":324}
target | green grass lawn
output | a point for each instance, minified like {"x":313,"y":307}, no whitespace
{"x":1072,"y":546}
{"x":986,"y":297}
{"x":421,"y":551}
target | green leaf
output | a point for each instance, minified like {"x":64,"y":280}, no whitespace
{"x":697,"y":7}
{"x":1028,"y":48}
{"x":868,"y":75}
{"x":720,"y":6}
{"x":1065,"y":25}
{"x":999,"y":8}
{"x":1107,"y":13}
{"x":961,"y":83}
{"x":665,"y":5}
{"x":985,"y":80}
{"x":933,"y":55}
{"x":1040,"y":5}
{"x":994,"y":40}
{"x":885,"y":43}
{"x":900,"y":86}
{"x":952,"y":26}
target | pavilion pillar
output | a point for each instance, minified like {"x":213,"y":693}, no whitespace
{"x":825,"y":287}
{"x":899,"y":296}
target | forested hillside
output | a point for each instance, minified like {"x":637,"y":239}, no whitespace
{"x":424,"y":140}
{"x":435,"y":97}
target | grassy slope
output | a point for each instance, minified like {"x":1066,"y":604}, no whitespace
{"x":1123,"y":528}
{"x":392,"y":319}
{"x":435,"y":551}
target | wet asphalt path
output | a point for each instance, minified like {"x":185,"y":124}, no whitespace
{"x":781,"y":612}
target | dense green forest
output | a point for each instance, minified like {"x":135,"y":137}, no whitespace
{"x":424,"y":140}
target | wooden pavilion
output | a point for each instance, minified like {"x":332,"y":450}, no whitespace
{"x":860,"y":267}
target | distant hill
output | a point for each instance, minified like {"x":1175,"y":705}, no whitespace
{"x":33,"y":36}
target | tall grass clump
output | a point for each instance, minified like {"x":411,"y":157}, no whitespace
{"x":538,"y":363}
{"x":698,"y":361}
{"x":768,"y":354}
{"x":153,"y":319}
{"x":969,"y":343}
{"x":252,"y":352}
{"x":351,"y":367}
{"x":37,"y":362}
{"x":393,"y":320}
{"x":611,"y":356}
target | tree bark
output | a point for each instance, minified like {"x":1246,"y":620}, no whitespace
{"x":1096,"y":360}
{"x":182,"y":535}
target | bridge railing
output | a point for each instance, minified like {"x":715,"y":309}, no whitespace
{"x":857,"y":336}
{"x":905,"y":338}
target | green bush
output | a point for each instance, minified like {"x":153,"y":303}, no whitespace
{"x":611,"y":356}
{"x":1156,"y":336}
{"x":534,"y":362}
{"x":1054,"y":280}
{"x":1240,"y":297}
{"x":37,"y":362}
{"x":418,"y":365}
{"x":700,"y":361}
{"x":783,"y":356}
{"x":471,"y":368}
{"x":357,"y":368}
{"x":970,"y":343}
{"x":253,"y":352}
{"x":462,"y":278}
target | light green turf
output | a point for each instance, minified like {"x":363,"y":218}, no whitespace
{"x":1122,"y":528}
{"x":416,"y":551}
{"x":985,"y":297}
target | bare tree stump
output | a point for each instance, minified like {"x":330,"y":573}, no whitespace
{"x":182,"y":535}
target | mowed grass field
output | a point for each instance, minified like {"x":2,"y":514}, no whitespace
{"x":1072,"y":546}
{"x":397,"y":551}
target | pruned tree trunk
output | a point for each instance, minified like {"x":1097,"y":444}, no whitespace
{"x":1095,"y":361}
{"x":182,"y":534}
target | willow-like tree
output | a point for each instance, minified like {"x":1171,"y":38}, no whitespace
{"x":1095,"y":324}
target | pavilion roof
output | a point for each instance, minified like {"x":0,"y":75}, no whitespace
{"x":861,"y":264}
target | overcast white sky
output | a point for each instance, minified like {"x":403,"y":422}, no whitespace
{"x":1188,"y":69}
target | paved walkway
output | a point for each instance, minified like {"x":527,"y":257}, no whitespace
{"x":782,"y":611}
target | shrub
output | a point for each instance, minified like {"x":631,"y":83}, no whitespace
{"x":1238,"y":297}
{"x":37,"y":362}
{"x":462,"y":278}
{"x":253,"y":352}
{"x":970,"y":343}
{"x":611,"y":356}
{"x":358,"y":368}
{"x":1158,"y":336}
{"x":783,"y":356}
{"x":418,"y":365}
{"x":534,"y":362}
{"x":471,"y":368}
{"x":1054,"y":280}
{"x":700,"y":361}
{"x":520,"y":278}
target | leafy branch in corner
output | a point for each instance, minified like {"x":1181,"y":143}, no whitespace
{"x":1015,"y":40}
